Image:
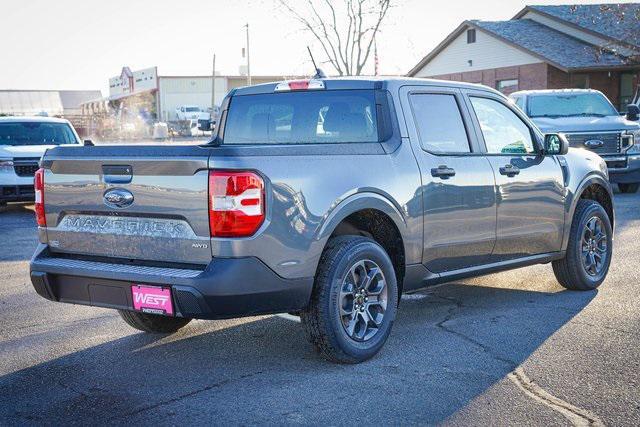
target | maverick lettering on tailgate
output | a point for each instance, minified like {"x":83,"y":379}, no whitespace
{"x":126,"y":226}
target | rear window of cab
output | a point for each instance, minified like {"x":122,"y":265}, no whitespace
{"x":298,"y":117}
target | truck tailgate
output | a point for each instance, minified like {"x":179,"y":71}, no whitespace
{"x":89,"y":210}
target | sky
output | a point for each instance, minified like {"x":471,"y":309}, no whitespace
{"x":79,"y":44}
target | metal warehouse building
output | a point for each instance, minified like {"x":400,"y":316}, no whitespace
{"x":53,"y":103}
{"x":145,"y":90}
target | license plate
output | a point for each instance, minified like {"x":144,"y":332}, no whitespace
{"x":152,"y":299}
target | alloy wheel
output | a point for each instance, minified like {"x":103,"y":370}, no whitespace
{"x":363,"y":300}
{"x":594,"y":246}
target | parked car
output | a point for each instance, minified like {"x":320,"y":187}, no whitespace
{"x":188,"y":112}
{"x":590,"y":121}
{"x":328,"y":198}
{"x":23,"y":141}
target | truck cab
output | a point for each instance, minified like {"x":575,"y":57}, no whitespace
{"x":591,"y":122}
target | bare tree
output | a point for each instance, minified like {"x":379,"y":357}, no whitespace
{"x":345,"y":29}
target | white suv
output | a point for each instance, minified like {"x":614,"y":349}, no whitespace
{"x":23,"y":141}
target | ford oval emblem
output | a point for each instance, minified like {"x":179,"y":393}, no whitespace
{"x":118,"y":198}
{"x":594,"y":143}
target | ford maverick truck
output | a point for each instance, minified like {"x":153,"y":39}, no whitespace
{"x":327,"y":198}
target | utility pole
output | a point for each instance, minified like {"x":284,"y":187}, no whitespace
{"x":213,"y":84}
{"x":248,"y":62}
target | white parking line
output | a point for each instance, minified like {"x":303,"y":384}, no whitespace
{"x":577,"y":416}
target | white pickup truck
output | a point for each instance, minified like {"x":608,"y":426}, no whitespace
{"x":188,"y":112}
{"x":23,"y":141}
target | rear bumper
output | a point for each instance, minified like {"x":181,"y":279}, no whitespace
{"x":628,"y":175}
{"x":227,"y":287}
{"x":17,"y":193}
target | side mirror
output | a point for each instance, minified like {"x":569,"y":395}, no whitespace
{"x":633,"y":112}
{"x":555,"y":143}
{"x":88,"y":143}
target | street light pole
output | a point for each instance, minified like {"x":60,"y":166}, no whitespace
{"x":248,"y":62}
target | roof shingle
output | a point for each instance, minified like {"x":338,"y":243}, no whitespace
{"x":553,"y":45}
{"x":619,"y":21}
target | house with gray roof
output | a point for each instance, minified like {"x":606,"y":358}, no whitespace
{"x":546,"y":47}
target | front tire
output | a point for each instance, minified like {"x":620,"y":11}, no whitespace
{"x":629,"y":188}
{"x":586,"y":263}
{"x":153,"y":323}
{"x":354,"y":300}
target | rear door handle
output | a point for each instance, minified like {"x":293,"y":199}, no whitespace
{"x":509,"y":170}
{"x":443,"y":172}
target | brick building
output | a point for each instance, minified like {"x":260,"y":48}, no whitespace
{"x":546,"y":47}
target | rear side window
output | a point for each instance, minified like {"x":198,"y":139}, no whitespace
{"x":313,"y":117}
{"x":440,"y":125}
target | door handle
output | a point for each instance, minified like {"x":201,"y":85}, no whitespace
{"x":509,"y":170}
{"x":443,"y":172}
{"x":117,"y":174}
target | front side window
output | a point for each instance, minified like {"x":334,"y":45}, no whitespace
{"x":439,"y":122}
{"x":503,"y":131}
{"x":339,"y":116}
{"x":36,"y":133}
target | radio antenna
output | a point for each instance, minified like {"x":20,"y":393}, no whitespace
{"x":319,"y":73}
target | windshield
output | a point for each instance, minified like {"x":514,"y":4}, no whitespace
{"x":36,"y":133}
{"x":192,"y":109}
{"x":565,"y":105}
{"x":302,"y":117}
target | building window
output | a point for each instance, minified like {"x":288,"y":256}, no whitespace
{"x":580,"y":81}
{"x":507,"y":86}
{"x":471,"y":36}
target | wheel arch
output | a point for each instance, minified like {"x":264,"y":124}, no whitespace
{"x":371,"y":215}
{"x":593,"y":187}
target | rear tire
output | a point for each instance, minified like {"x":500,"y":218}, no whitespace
{"x":153,"y":323}
{"x":354,"y":300}
{"x":586,"y":263}
{"x":629,"y":188}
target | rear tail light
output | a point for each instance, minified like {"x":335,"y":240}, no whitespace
{"x":236,"y":203}
{"x":38,"y":183}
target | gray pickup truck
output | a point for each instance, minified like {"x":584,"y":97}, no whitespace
{"x":327,"y":198}
{"x":591,"y":122}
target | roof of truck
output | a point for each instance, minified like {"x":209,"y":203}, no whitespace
{"x":365,"y":82}
{"x":554,"y":91}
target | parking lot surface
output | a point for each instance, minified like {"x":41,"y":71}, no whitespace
{"x":502,"y":349}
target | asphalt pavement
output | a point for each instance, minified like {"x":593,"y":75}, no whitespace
{"x":505,"y":349}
